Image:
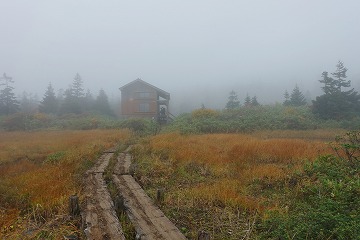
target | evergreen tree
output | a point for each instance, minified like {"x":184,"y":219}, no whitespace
{"x":70,"y":104}
{"x":340,"y":76}
{"x":77,"y":87}
{"x":60,"y":96}
{"x":254,"y":101}
{"x":73,"y":97}
{"x":297,"y":98}
{"x":89,"y":101}
{"x":49,"y":103}
{"x":8,"y":102}
{"x":102,"y":104}
{"x":329,"y":83}
{"x":233,"y":101}
{"x":287,"y":98}
{"x":336,"y":103}
{"x":28,"y":103}
{"x":247,"y":102}
{"x":308,"y":97}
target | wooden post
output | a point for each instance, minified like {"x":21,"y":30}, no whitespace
{"x":160,"y":195}
{"x":119,"y":204}
{"x":71,"y":237}
{"x":202,"y":235}
{"x":132,"y":169}
{"x":74,"y":208}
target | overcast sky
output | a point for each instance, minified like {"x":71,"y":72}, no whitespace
{"x":260,"y":47}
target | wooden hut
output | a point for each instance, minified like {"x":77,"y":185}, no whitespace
{"x":140,"y":99}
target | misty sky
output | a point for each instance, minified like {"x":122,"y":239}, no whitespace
{"x":258,"y":47}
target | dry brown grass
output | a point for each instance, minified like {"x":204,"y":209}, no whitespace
{"x":205,"y":173}
{"x":217,"y":149}
{"x":37,"y":145}
{"x":309,"y":135}
{"x":40,"y":170}
{"x":236,"y":160}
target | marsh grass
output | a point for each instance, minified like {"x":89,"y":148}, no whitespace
{"x":211,"y":175}
{"x":38,"y":173}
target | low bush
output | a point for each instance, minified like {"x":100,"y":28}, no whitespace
{"x":324,"y":203}
{"x":140,"y":126}
{"x":85,"y":121}
{"x":249,"y":119}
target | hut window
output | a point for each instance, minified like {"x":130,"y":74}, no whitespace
{"x":144,"y":107}
{"x":143,"y":95}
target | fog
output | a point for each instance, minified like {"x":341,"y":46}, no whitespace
{"x":198,"y":51}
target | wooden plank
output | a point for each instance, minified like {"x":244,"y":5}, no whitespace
{"x":149,"y":221}
{"x":100,"y":218}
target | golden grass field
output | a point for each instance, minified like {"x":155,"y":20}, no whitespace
{"x":40,"y":170}
{"x":218,"y":173}
{"x":237,"y":159}
{"x":208,"y":177}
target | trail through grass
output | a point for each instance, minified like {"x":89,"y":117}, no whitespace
{"x":38,"y":173}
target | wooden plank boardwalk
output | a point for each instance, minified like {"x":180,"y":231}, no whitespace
{"x":149,"y":221}
{"x":100,"y":217}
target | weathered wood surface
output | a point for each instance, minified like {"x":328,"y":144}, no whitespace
{"x":99,"y":216}
{"x":123,"y":164}
{"x":149,"y":221}
{"x":74,"y":208}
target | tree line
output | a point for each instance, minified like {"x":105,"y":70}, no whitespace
{"x":338,"y":101}
{"x":72,"y":100}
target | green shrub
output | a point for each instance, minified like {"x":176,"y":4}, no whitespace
{"x":325,"y":203}
{"x":141,"y":126}
{"x":245,"y":119}
{"x":55,"y":157}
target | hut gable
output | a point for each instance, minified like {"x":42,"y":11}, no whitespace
{"x":141,"y":99}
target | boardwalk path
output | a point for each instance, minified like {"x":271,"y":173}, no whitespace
{"x":100,"y":217}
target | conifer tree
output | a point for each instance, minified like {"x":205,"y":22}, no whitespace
{"x":70,"y":103}
{"x":89,"y":101}
{"x":60,"y":95}
{"x":74,"y":97}
{"x":28,"y":103}
{"x":254,"y":101}
{"x":336,"y":103}
{"x":233,"y":101}
{"x":297,"y":98}
{"x":247,"y":102}
{"x":49,"y":103}
{"x":329,"y":83}
{"x":8,"y":102}
{"x":102,"y":104}
{"x":340,"y":76}
{"x":77,"y":87}
{"x":287,"y":98}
